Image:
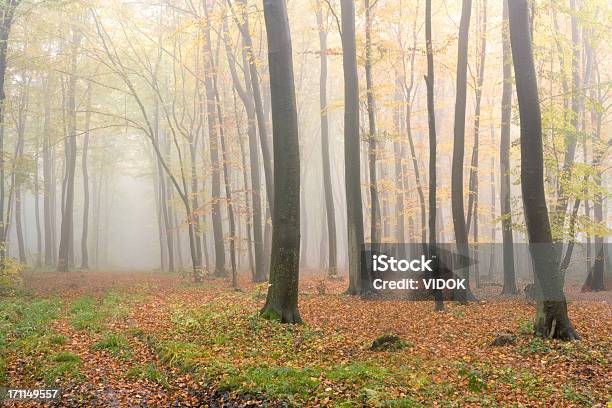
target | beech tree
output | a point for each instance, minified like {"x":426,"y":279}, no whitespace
{"x":282,"y":298}
{"x":552,"y":319}
{"x":504,"y":161}
{"x":352,"y":168}
{"x":461,"y":233}
{"x":327,"y":181}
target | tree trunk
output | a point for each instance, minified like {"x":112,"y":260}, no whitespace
{"x":596,"y":274}
{"x":505,"y":201}
{"x":37,"y":204}
{"x":330,"y":211}
{"x":282,"y":298}
{"x":49,"y":182}
{"x":400,"y":234}
{"x":7,"y":13}
{"x":84,"y":238}
{"x":247,"y":100}
{"x":570,"y":137}
{"x":354,"y":209}
{"x":552,"y":319}
{"x":65,"y":255}
{"x":431,"y":121}
{"x":461,"y":233}
{"x":375,"y":225}
{"x":214,"y":156}
{"x":228,"y":187}
{"x":19,"y":173}
{"x":257,"y":98}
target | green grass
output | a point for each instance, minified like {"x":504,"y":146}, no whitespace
{"x":113,"y":342}
{"x":3,"y":374}
{"x":88,"y":313}
{"x":66,"y":357}
{"x":147,"y":372}
{"x":25,"y":331}
{"x":62,"y":372}
{"x":62,"y":366}
{"x":179,"y":355}
{"x":58,"y":339}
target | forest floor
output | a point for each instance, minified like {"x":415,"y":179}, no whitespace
{"x":150,"y":339}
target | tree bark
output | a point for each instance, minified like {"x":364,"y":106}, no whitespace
{"x":461,"y":234}
{"x":552,"y":319}
{"x":375,"y":225}
{"x":431,"y":122}
{"x":330,"y":211}
{"x":281,"y":301}
{"x":505,"y":202}
{"x":354,"y":209}
{"x":218,"y":238}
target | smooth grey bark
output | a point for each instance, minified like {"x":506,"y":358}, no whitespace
{"x":352,"y":176}
{"x":504,"y":162}
{"x":461,"y":234}
{"x":375,"y":222}
{"x":552,"y":319}
{"x":472,"y":216}
{"x":330,"y":211}
{"x":282,"y":298}
{"x":431,"y":122}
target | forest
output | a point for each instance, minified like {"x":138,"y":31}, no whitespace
{"x":202,"y":203}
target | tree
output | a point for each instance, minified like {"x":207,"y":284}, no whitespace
{"x":214,"y":151}
{"x":257,"y":98}
{"x":352,"y":171}
{"x":461,"y":236}
{"x":7,"y":14}
{"x":65,"y":256}
{"x":247,"y":101}
{"x":504,"y":161}
{"x":472,"y":214}
{"x":327,"y":186}
{"x":372,"y":154}
{"x":84,"y":169}
{"x":431,"y":120}
{"x":281,"y":301}
{"x":552,"y":319}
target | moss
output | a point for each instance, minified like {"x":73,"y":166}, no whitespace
{"x":270,"y":314}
